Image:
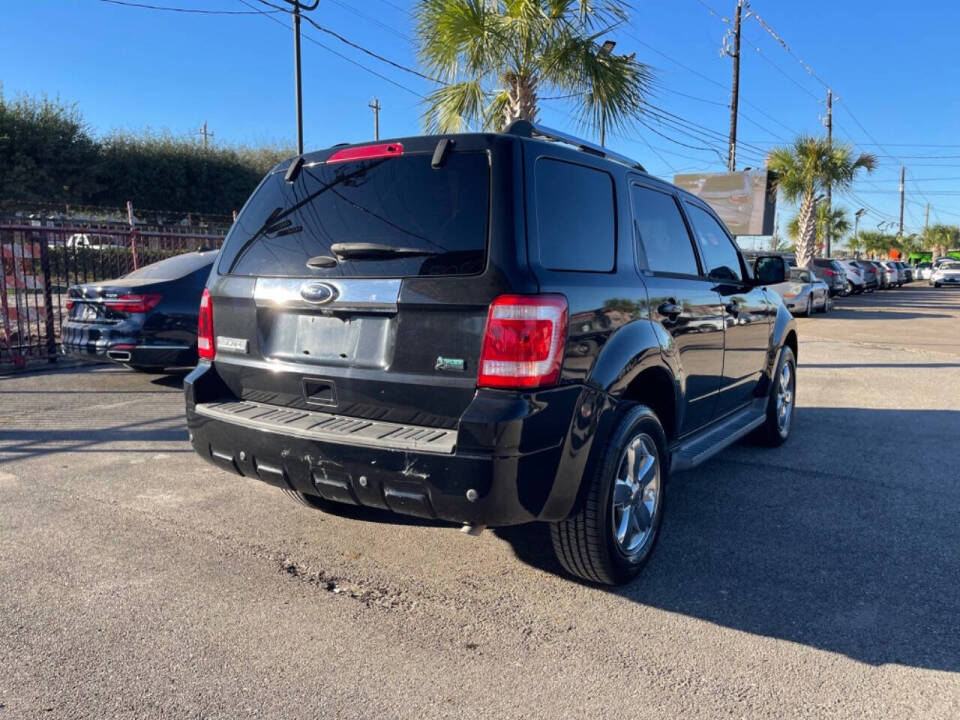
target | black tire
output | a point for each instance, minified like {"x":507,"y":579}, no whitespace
{"x":850,"y":289}
{"x":146,"y":368}
{"x":585,"y":543}
{"x":311,"y":501}
{"x":826,"y":306}
{"x":809,"y":310}
{"x":772,"y":433}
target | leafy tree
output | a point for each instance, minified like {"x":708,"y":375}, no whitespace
{"x":804,"y":170}
{"x":45,"y":152}
{"x":48,"y":156}
{"x":940,"y":238}
{"x":496,"y":57}
{"x":878,"y":244}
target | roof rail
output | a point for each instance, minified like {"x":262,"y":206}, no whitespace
{"x":525,"y":128}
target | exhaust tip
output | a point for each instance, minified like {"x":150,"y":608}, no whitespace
{"x":119,"y":355}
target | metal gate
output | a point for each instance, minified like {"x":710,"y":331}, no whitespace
{"x":42,"y":259}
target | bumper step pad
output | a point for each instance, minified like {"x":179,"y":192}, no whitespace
{"x":324,"y":427}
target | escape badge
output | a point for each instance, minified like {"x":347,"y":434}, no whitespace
{"x":449,"y":364}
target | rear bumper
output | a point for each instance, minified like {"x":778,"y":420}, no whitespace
{"x":516,"y":457}
{"x":88,"y":342}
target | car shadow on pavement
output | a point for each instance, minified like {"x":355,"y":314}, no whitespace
{"x":20,"y":443}
{"x":850,"y":544}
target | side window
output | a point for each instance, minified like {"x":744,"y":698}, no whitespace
{"x":576,"y":217}
{"x":663,"y":234}
{"x":719,"y":254}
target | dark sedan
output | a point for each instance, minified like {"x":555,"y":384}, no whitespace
{"x":146,"y":320}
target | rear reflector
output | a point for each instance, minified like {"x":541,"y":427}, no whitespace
{"x":133,"y":303}
{"x":205,"y":345}
{"x":523,"y":343}
{"x":366,"y":152}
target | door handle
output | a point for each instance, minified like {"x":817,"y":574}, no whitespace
{"x":670,"y":309}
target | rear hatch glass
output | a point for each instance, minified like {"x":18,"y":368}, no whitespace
{"x":390,"y":217}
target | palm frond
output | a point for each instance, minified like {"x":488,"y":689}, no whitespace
{"x":456,"y":108}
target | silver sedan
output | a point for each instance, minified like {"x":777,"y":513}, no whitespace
{"x":804,"y":292}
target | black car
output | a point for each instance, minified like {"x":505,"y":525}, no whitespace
{"x":489,"y":329}
{"x":146,"y":320}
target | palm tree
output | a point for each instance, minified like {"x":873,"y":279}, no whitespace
{"x":834,"y":220}
{"x":804,"y":170}
{"x":494,"y":58}
{"x":940,"y":238}
{"x":877,"y":244}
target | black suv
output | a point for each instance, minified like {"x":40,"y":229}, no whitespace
{"x":489,"y":329}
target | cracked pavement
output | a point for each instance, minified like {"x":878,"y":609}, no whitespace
{"x":819,"y":579}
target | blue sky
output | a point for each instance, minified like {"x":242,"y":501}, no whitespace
{"x":892,"y":68}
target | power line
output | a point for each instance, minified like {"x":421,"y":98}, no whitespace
{"x":361,"y":48}
{"x":371,"y":18}
{"x":709,"y":80}
{"x":195,"y":11}
{"x":270,"y":16}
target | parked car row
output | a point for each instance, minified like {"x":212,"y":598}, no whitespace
{"x":807,"y":290}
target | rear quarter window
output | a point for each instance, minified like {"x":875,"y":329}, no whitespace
{"x":576,"y":217}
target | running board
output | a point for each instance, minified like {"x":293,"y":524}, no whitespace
{"x":726,"y":432}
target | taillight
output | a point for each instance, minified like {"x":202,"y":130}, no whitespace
{"x":133,"y":303}
{"x":205,"y":344}
{"x":831,"y":273}
{"x":366,"y":152}
{"x":523,"y":343}
{"x":69,"y":304}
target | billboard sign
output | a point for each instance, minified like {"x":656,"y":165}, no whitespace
{"x":746,"y":200}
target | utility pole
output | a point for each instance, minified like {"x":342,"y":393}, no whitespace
{"x":375,"y":106}
{"x":735,"y":91}
{"x":297,"y":7}
{"x":903,"y":177}
{"x":205,"y":133}
{"x":926,"y":218}
{"x":826,"y":232}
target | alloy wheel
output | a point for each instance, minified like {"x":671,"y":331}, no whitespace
{"x":786,"y":383}
{"x":636,"y":495}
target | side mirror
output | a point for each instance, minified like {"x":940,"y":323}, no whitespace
{"x":770,"y":270}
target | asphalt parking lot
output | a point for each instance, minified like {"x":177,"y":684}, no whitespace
{"x":821,"y":579}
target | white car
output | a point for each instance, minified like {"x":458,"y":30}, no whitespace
{"x":947,"y":273}
{"x":90,"y":241}
{"x":856,"y":283}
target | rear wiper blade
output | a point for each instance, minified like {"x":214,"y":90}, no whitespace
{"x":375,"y":251}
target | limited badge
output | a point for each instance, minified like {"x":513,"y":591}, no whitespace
{"x":449,"y":364}
{"x":230,"y":344}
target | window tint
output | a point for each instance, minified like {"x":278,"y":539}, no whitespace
{"x":575,"y":217}
{"x":719,"y":254}
{"x":436,"y":218}
{"x":663,"y":234}
{"x":175,"y":267}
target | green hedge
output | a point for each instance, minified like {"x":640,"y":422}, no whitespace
{"x":49,"y":155}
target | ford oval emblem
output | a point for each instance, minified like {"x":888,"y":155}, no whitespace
{"x":318,"y":292}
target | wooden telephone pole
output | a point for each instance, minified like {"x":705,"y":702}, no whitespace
{"x":903,"y":177}
{"x":375,"y":106}
{"x":829,"y":198}
{"x":203,"y":132}
{"x":735,"y":90}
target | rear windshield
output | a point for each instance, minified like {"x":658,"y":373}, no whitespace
{"x":176,"y":267}
{"x":421,"y":220}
